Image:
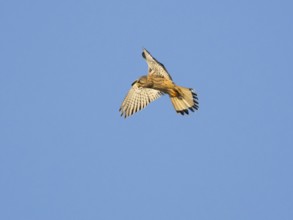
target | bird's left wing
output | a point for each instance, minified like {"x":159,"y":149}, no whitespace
{"x":137,"y":99}
{"x":155,"y":67}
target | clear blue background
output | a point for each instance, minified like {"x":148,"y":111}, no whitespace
{"x":66,"y":66}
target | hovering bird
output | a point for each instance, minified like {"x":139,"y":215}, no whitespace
{"x":155,"y":84}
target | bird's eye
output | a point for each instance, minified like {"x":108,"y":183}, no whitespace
{"x":143,"y":55}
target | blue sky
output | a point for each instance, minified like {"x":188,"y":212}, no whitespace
{"x":65,"y":152}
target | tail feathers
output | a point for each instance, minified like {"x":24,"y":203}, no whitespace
{"x":187,"y":100}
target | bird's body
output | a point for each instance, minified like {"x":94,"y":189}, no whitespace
{"x":158,"y":83}
{"x":150,"y":87}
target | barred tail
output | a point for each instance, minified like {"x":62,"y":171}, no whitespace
{"x":186,"y":100}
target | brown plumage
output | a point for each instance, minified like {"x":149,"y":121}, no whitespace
{"x":153,"y":85}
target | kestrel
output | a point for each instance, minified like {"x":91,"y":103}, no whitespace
{"x":155,"y":84}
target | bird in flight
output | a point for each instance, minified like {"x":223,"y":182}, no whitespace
{"x":155,"y":84}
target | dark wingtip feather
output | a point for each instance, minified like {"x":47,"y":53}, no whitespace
{"x":143,"y":55}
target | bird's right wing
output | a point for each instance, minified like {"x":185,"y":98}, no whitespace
{"x":155,"y":67}
{"x":137,"y":99}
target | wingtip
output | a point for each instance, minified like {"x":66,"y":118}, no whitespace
{"x":145,"y":52}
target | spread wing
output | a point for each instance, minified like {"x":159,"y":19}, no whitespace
{"x":155,"y":67}
{"x":137,"y":99}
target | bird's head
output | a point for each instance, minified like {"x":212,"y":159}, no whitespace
{"x":142,"y":81}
